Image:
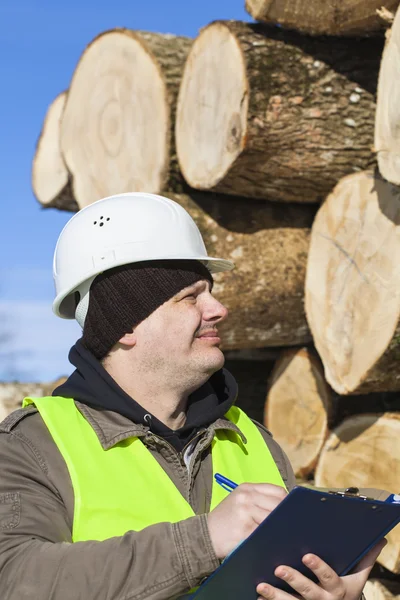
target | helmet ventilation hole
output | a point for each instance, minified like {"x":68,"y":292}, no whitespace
{"x":101,"y":221}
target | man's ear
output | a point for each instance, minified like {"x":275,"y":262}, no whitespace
{"x":129,"y":339}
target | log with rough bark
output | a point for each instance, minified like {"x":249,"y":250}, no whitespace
{"x":298,"y":407}
{"x":319,"y":17}
{"x":268,"y":243}
{"x":376,"y":589}
{"x":270,"y":114}
{"x":353,"y":285}
{"x":387,"y":120}
{"x":364,"y":452}
{"x":51,"y":180}
{"x":117,"y":122}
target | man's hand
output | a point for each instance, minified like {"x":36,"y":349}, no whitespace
{"x":236,"y":517}
{"x":330,"y":586}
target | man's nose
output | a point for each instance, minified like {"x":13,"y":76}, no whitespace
{"x":215,"y":311}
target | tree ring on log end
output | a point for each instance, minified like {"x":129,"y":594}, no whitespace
{"x":353,"y":284}
{"x":212,"y":108}
{"x":387,"y":119}
{"x":297,"y":408}
{"x":50,"y":177}
{"x":115,"y":132}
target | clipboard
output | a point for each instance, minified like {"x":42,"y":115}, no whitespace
{"x":338,"y":527}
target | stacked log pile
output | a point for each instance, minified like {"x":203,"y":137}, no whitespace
{"x":282,"y":143}
{"x":12,"y":393}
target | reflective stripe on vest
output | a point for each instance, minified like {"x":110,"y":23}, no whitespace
{"x":124,"y":488}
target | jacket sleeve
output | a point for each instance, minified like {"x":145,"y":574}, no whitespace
{"x":39,"y":560}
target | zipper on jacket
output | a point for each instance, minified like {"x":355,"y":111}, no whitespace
{"x":186,"y":446}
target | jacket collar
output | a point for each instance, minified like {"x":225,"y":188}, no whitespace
{"x":111,"y":427}
{"x":93,"y":386}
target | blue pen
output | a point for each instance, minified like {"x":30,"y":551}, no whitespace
{"x":393,"y":499}
{"x":225,"y":483}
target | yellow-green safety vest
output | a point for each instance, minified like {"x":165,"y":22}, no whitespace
{"x":124,"y":488}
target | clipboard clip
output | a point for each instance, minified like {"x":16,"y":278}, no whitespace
{"x":350,"y":492}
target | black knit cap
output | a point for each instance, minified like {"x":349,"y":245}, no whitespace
{"x":122,"y":297}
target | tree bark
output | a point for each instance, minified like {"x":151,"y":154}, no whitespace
{"x":264,"y":113}
{"x":268,"y":243}
{"x":51,"y":181}
{"x":298,"y":407}
{"x":364,"y":452}
{"x":336,"y":17}
{"x":353,"y":283}
{"x":116,"y":127}
{"x":387,"y":121}
{"x":171,"y":52}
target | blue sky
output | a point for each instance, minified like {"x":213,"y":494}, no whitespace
{"x":40,"y":44}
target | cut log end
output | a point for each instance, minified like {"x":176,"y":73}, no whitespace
{"x":353,"y":283}
{"x":212,"y":107}
{"x":50,"y":177}
{"x":387,"y":120}
{"x":115,"y":132}
{"x":363,"y":452}
{"x":297,"y":408}
{"x":382,"y":590}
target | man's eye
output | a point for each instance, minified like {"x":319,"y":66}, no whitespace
{"x":191,"y":297}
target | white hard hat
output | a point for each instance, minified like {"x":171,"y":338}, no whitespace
{"x":118,"y":230}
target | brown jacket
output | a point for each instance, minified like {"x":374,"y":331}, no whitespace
{"x":37,"y":557}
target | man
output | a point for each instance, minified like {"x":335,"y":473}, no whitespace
{"x":106,"y":488}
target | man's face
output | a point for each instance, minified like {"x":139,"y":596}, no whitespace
{"x":180,"y":338}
